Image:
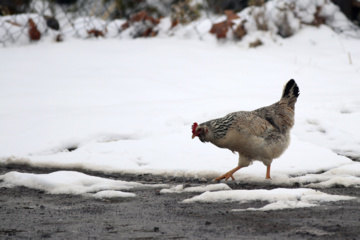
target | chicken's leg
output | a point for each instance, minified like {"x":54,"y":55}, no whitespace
{"x":228,"y":174}
{"x":268,"y":172}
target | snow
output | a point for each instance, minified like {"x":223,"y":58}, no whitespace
{"x":345,"y":176}
{"x":280,"y":198}
{"x":113,"y":194}
{"x":71,"y":182}
{"x":127,"y":106}
{"x":204,"y":188}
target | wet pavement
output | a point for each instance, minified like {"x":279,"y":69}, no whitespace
{"x":32,"y":214}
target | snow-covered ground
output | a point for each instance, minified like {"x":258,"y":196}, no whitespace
{"x":128,"y":105}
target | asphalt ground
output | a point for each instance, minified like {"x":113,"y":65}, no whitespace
{"x":32,"y":214}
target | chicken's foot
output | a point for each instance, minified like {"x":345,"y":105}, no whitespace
{"x":228,"y":175}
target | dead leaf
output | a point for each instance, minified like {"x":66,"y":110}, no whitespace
{"x":231,"y":15}
{"x":220,"y":29}
{"x":256,"y":43}
{"x":147,"y":32}
{"x":125,"y":25}
{"x":153,"y":33}
{"x":34,"y":33}
{"x":240,"y":30}
{"x":318,"y":20}
{"x":96,"y":33}
{"x":144,"y":16}
{"x":174,"y":23}
{"x":59,"y":38}
{"x":137,"y":17}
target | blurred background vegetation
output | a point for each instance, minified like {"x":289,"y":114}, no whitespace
{"x":124,"y":8}
{"x":39,"y":17}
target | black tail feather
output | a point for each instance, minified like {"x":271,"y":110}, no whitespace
{"x":290,"y":94}
{"x":291,"y":88}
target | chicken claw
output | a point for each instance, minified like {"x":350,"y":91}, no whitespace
{"x":227,"y":175}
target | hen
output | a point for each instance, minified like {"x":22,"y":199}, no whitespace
{"x":262,"y":134}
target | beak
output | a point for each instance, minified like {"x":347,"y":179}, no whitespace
{"x":193,"y":136}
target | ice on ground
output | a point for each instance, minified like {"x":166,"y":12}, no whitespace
{"x":113,"y":194}
{"x":204,"y":188}
{"x":279,"y":198}
{"x":71,"y":182}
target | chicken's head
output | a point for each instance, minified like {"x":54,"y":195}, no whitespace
{"x":198,"y":131}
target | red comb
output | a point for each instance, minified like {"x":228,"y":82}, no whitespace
{"x":194,"y":126}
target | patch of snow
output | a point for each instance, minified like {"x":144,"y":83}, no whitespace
{"x":204,"y":188}
{"x":71,"y":182}
{"x":113,"y":194}
{"x":278,"y":198}
{"x":345,"y":176}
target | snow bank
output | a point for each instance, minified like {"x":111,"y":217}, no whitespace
{"x":278,"y":198}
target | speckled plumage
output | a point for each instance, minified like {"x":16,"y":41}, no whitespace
{"x":262,"y":134}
